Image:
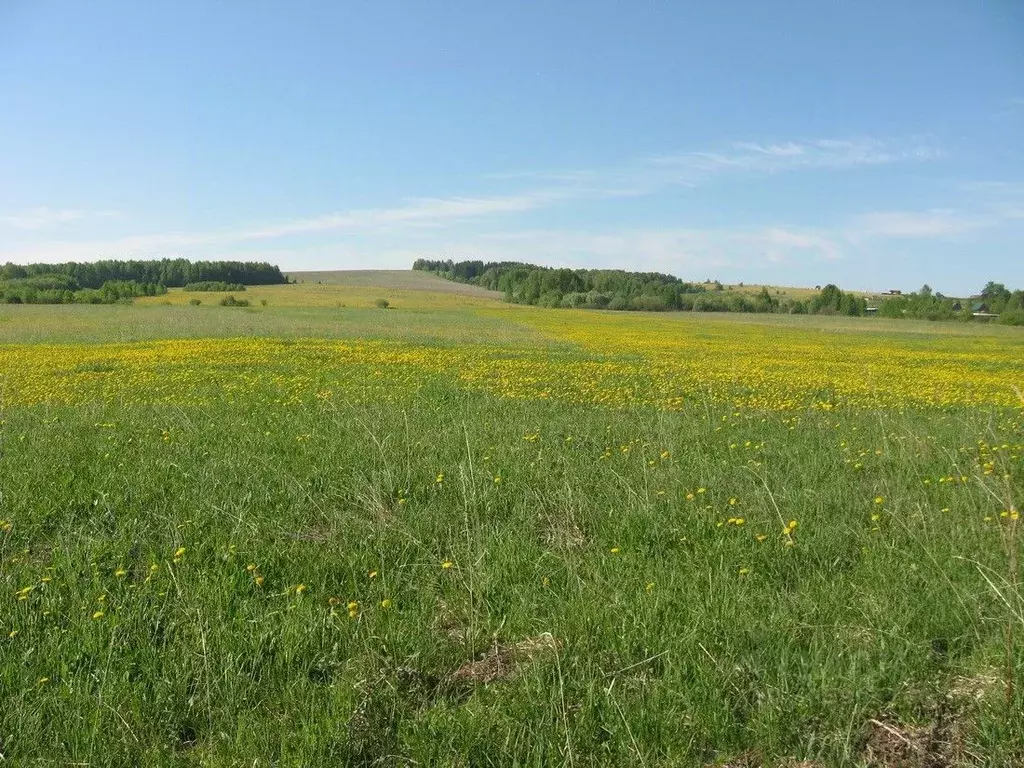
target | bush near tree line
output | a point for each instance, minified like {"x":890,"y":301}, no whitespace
{"x":214,"y":286}
{"x":61,"y":289}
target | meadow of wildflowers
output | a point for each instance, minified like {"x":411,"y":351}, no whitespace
{"x":581,"y":539}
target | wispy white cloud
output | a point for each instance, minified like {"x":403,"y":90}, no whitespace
{"x":677,"y":250}
{"x":789,"y":149}
{"x":915,"y":224}
{"x":694,"y":167}
{"x":791,"y":156}
{"x":43,"y":217}
{"x":994,"y":204}
{"x":639,"y":177}
{"x":423,"y":212}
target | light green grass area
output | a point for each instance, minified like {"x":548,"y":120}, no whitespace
{"x":111,"y":323}
{"x":434,"y":546}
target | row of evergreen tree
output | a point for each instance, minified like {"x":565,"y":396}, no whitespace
{"x":621,"y":290}
{"x":110,"y":281}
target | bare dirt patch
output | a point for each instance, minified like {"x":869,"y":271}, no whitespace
{"x":501,"y":661}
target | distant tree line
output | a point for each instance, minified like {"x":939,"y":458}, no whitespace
{"x":994,"y":299}
{"x":109,"y":281}
{"x":171,"y":273}
{"x":618,"y":289}
{"x":217,"y":286}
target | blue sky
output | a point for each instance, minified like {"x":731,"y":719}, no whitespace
{"x":872,"y":144}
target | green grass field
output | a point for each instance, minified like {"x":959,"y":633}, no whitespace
{"x":458,"y":532}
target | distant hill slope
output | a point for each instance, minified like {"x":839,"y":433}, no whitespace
{"x":394,"y":279}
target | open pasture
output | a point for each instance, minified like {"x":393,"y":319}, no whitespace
{"x":459,"y":532}
{"x":356,"y":290}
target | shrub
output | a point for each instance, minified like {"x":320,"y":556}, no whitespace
{"x":382,"y":303}
{"x":648,"y":303}
{"x":195,"y":302}
{"x":1013,"y":317}
{"x":214,"y":285}
{"x":231,"y":301}
{"x":618,"y":302}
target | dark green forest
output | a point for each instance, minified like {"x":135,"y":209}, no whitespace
{"x":621,"y":290}
{"x":110,"y":281}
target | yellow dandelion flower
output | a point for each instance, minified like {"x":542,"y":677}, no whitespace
{"x":385,"y":603}
{"x":446,"y":564}
{"x":99,"y":615}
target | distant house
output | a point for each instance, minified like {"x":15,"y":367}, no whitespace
{"x":895,"y":292}
{"x":980,"y":311}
